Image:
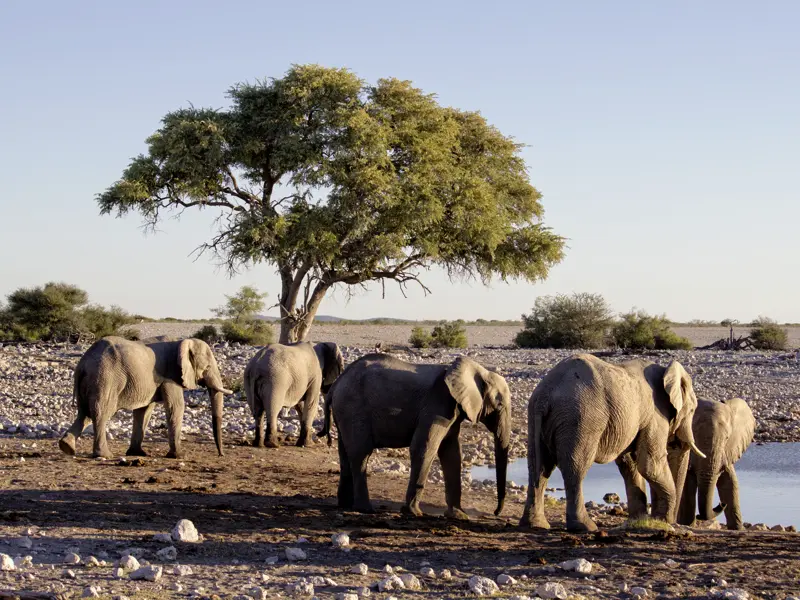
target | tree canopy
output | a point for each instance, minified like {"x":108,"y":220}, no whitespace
{"x":336,"y":181}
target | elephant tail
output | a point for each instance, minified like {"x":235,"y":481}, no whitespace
{"x":77,"y":378}
{"x":326,"y":426}
{"x":537,"y":443}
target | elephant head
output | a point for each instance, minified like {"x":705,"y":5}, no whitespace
{"x":723,"y":430}
{"x":484,"y":396}
{"x":678,"y":385}
{"x":199,"y":367}
{"x":331,"y":362}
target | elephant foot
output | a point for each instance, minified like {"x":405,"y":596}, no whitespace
{"x":67,"y":444}
{"x":102,"y":454}
{"x":456,"y":513}
{"x":410,"y":510}
{"x":175,"y":454}
{"x":364,"y":508}
{"x":581,"y":526}
{"x":272,"y":443}
{"x":258,"y":443}
{"x":135,"y":452}
{"x":535,"y":522}
{"x":305,"y":442}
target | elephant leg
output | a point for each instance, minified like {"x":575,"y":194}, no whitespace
{"x":657,"y":473}
{"x":688,"y":501}
{"x":141,"y":419}
{"x":260,"y":416}
{"x":100,"y":421}
{"x":533,"y":515}
{"x":173,"y":404}
{"x":450,"y":458}
{"x":578,"y":518}
{"x":358,"y":471}
{"x":272,"y":410}
{"x":344,"y":494}
{"x":424,"y":445}
{"x":728,"y":488}
{"x":634,"y":485}
{"x":69,"y":439}
{"x":309,"y":411}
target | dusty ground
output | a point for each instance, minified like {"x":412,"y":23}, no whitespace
{"x":253,"y":504}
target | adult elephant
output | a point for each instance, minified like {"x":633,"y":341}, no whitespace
{"x":723,"y":431}
{"x":383,"y":402}
{"x":117,"y":373}
{"x":586,"y":410}
{"x":285,"y":375}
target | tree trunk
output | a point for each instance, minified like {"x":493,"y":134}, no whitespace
{"x":296,"y":323}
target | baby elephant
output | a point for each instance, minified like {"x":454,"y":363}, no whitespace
{"x":284,"y":375}
{"x":383,"y":402}
{"x":723,"y":431}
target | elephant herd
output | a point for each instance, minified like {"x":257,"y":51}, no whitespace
{"x":642,"y":415}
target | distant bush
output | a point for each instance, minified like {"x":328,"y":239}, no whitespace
{"x":207,"y":333}
{"x":702,"y":323}
{"x":640,"y":331}
{"x":562,"y":321}
{"x":768,"y":335}
{"x":102,"y":321}
{"x":447,"y":334}
{"x":419,"y":338}
{"x":254,"y":333}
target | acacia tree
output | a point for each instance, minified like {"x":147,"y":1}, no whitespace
{"x":335,"y":181}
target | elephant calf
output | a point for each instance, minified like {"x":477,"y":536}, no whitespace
{"x":383,"y":402}
{"x":117,"y":373}
{"x":723,"y":431}
{"x":284,"y":375}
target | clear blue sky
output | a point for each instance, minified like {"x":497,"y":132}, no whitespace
{"x":665,"y":138}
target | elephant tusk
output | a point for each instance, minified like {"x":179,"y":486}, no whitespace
{"x":696,"y":450}
{"x":225,"y":391}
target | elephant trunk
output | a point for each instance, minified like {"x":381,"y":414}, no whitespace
{"x":685,"y":434}
{"x":502,"y":443}
{"x":706,"y":485}
{"x":216,"y":391}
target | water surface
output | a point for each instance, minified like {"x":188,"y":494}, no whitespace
{"x":769,"y":483}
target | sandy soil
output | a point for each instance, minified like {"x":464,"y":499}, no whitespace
{"x":252,"y":504}
{"x":478,"y":335}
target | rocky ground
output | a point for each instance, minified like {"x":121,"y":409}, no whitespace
{"x":251,"y":506}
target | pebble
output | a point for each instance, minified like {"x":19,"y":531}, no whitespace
{"x":346,"y":596}
{"x":411,"y":582}
{"x":22,"y":562}
{"x":182,"y":570}
{"x":91,"y":562}
{"x":301,"y":588}
{"x":128,"y":562}
{"x":445,"y":574}
{"x":91,"y":592}
{"x":7,"y":563}
{"x":359,"y":569}
{"x":72,"y":559}
{"x":611,"y":498}
{"x":504,"y":579}
{"x":167,"y":554}
{"x":148,"y":573}
{"x":271,"y":560}
{"x":391,"y":583}
{"x":551,"y":589}
{"x":119,"y":573}
{"x":69,"y":574}
{"x":427,"y":572}
{"x":163,"y":537}
{"x":639,"y":592}
{"x":340,"y":540}
{"x":25,"y":542}
{"x":185,"y":531}
{"x":293,"y":554}
{"x":733,"y":594}
{"x":578,"y":565}
{"x":482,"y":586}
{"x":257,"y":593}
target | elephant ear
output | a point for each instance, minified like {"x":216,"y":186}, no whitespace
{"x":678,"y":385}
{"x":186,"y":363}
{"x":466,"y":382}
{"x":743,"y":427}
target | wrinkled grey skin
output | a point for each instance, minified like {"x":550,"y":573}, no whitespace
{"x":286,"y":375}
{"x":586,"y":410}
{"x":383,"y":402}
{"x":116,"y":373}
{"x":723,"y":431}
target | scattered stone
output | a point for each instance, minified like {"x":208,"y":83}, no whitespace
{"x":578,"y":565}
{"x":271,"y":560}
{"x":427,"y":572}
{"x":519,"y":598}
{"x":182,"y":570}
{"x":363,"y":592}
{"x":69,"y":574}
{"x":135,"y":552}
{"x":639,"y":592}
{"x":119,"y":573}
{"x":359,"y":569}
{"x":148,"y":573}
{"x":72,"y":559}
{"x":22,"y":562}
{"x":410,"y":581}
{"x":482,"y":586}
{"x":777,"y":528}
{"x":611,"y":498}
{"x":391,"y":583}
{"x":346,"y":596}
{"x":168,"y":553}
{"x":91,"y":592}
{"x":176,"y":587}
{"x":733,"y":594}
{"x":293,"y":554}
{"x":185,"y":531}
{"x":7,"y":563}
{"x":340,"y":540}
{"x":671,"y":564}
{"x":163,"y":537}
{"x":25,"y":542}
{"x":91,"y":562}
{"x":551,"y":590}
{"x":128,"y":562}
{"x":759,"y":527}
{"x":504,"y":579}
{"x":301,"y":588}
{"x":445,"y":574}
{"x":387,"y":569}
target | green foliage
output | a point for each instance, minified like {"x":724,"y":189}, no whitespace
{"x":420,"y":338}
{"x":243,"y":306}
{"x":768,"y":335}
{"x":254,"y":333}
{"x":376,"y":182}
{"x":577,"y":321}
{"x":639,"y":331}
{"x":102,"y":321}
{"x":207,"y":333}
{"x":447,"y":334}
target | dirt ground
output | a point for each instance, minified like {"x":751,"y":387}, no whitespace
{"x":252,"y":504}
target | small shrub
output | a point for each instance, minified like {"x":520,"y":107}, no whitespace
{"x":207,"y":333}
{"x":576,"y":321}
{"x":640,"y":331}
{"x":647,"y":524}
{"x":450,"y":334}
{"x":102,"y":322}
{"x":768,"y":335}
{"x":419,"y":338}
{"x":235,"y":384}
{"x":253,"y":333}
